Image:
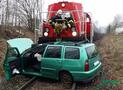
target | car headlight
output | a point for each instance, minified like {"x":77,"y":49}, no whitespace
{"x":74,"y":33}
{"x":45,"y":34}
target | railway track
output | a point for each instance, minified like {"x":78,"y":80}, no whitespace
{"x":74,"y":86}
{"x":47,"y":84}
{"x":21,"y":82}
{"x":27,"y":83}
{"x":34,"y":84}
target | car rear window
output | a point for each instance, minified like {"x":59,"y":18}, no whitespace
{"x":72,"y":53}
{"x":91,"y":51}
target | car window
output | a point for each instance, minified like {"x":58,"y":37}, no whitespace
{"x":91,"y":51}
{"x":72,"y":53}
{"x":27,"y":54}
{"x":39,"y":49}
{"x":53,"y":52}
{"x":12,"y":52}
{"x":32,"y":51}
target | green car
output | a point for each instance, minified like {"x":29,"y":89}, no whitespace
{"x":66,"y":61}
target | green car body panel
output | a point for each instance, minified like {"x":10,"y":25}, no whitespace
{"x":7,"y":69}
{"x":18,"y":45}
{"x":51,"y":67}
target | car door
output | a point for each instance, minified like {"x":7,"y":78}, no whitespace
{"x":12,"y":64}
{"x":52,"y":61}
{"x":72,"y":60}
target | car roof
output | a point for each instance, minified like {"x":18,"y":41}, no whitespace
{"x":76,"y":44}
{"x":87,"y":45}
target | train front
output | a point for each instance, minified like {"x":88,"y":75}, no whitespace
{"x":69,"y":26}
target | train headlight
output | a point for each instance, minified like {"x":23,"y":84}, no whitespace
{"x":74,"y":33}
{"x":45,"y":34}
{"x":63,"y":4}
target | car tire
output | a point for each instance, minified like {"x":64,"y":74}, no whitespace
{"x":66,"y":79}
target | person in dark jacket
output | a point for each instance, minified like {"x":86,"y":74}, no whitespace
{"x":69,"y":20}
{"x":56,"y":22}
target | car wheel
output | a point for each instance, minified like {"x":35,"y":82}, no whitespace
{"x":66,"y":79}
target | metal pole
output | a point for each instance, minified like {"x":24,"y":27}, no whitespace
{"x":92,"y":30}
{"x":35,"y":30}
{"x":83,"y":31}
{"x":41,"y":25}
{"x":85,"y":26}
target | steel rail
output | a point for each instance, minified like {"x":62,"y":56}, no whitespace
{"x":27,"y":83}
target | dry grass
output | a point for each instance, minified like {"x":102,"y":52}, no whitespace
{"x":3,"y":46}
{"x":111,"y":49}
{"x":9,"y":34}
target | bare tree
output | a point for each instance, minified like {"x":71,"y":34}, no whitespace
{"x":26,"y":12}
{"x":20,"y":13}
{"x":2,"y":12}
{"x":117,"y":22}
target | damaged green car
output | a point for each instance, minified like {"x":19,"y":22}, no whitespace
{"x":65,"y":61}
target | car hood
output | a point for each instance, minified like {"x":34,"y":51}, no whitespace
{"x":20,"y":43}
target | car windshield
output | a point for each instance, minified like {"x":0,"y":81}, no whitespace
{"x":20,"y":43}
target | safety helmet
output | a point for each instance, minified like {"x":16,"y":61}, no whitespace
{"x":67,"y":14}
{"x":59,"y":12}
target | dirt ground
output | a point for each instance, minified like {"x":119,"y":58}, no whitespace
{"x":111,"y":50}
{"x":10,"y":34}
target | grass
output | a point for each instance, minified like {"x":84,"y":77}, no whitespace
{"x":111,"y":50}
{"x":3,"y":46}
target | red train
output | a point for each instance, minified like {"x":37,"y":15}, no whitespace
{"x":79,"y":30}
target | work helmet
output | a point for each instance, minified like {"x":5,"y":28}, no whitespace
{"x":59,"y":12}
{"x":67,"y":14}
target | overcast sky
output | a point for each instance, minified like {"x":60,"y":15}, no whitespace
{"x":102,"y":11}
